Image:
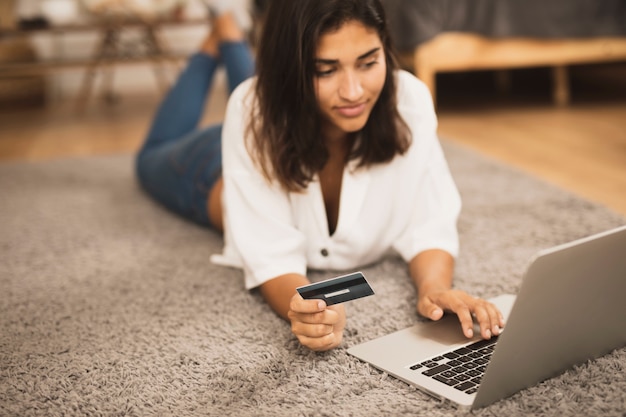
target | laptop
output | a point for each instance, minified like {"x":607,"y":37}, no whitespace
{"x":570,"y":308}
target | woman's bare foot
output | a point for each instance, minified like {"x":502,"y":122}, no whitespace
{"x":224,"y":28}
{"x":210,"y":45}
{"x":227,"y":28}
{"x":240,"y":10}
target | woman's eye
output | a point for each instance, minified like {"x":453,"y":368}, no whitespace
{"x":324,"y":73}
{"x":370,"y":64}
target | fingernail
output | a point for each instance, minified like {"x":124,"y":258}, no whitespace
{"x":496,"y":330}
{"x":321,"y":305}
{"x":469,"y":333}
{"x":488,"y":333}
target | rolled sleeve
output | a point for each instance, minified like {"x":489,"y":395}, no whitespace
{"x":260,"y":227}
{"x":434,"y":220}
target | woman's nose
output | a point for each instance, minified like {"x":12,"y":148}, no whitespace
{"x":350,"y":88}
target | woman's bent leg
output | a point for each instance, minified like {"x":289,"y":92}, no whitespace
{"x":178,"y":164}
{"x":181,"y":174}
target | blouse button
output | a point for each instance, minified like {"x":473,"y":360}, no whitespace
{"x":324,"y":252}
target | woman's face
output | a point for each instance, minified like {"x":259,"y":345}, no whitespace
{"x":350,"y":72}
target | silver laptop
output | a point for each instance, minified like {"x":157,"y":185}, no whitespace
{"x":570,"y":308}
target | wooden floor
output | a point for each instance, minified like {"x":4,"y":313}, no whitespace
{"x":581,"y":148}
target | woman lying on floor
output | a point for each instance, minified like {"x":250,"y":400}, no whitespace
{"x":330,"y":159}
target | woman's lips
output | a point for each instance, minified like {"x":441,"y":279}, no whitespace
{"x":351,"y":111}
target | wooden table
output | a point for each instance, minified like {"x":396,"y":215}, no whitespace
{"x":111,"y":50}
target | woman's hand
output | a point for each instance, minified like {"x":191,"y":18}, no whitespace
{"x":431,"y":272}
{"x":466,"y":307}
{"x":317,"y":326}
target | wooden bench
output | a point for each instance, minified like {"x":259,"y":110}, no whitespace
{"x":452,"y":51}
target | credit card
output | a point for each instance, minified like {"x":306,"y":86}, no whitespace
{"x":338,"y":290}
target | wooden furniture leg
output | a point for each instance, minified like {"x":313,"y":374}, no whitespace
{"x":106,"y":49}
{"x":560,"y":85}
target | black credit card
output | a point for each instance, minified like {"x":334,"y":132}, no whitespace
{"x":338,"y":290}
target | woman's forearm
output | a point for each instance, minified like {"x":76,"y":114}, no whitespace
{"x":432,"y":271}
{"x":278,"y":292}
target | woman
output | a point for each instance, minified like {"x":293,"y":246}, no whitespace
{"x":330,"y":159}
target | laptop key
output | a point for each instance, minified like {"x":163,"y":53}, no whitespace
{"x":436,"y":370}
{"x":462,"y":377}
{"x":448,"y":374}
{"x":462,"y":351}
{"x":479,"y":345}
{"x":482,"y":361}
{"x":459,"y":369}
{"x":465,"y":386}
{"x":445,"y":380}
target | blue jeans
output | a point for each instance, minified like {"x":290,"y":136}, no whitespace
{"x":179,"y":163}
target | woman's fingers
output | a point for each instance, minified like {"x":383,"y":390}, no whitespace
{"x":315,"y":325}
{"x":468,"y":309}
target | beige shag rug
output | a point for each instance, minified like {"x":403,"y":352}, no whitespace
{"x":109,"y":305}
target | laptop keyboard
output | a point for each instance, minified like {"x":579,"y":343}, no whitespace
{"x":462,"y":368}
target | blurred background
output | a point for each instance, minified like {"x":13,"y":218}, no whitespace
{"x":540,"y":86}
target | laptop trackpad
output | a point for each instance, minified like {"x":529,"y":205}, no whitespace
{"x":446,"y":331}
{"x":421,"y":340}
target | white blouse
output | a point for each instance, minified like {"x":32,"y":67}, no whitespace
{"x":410,"y":204}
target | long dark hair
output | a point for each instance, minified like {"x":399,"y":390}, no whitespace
{"x":286,"y":124}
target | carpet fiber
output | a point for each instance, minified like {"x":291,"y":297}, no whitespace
{"x":110,"y":306}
